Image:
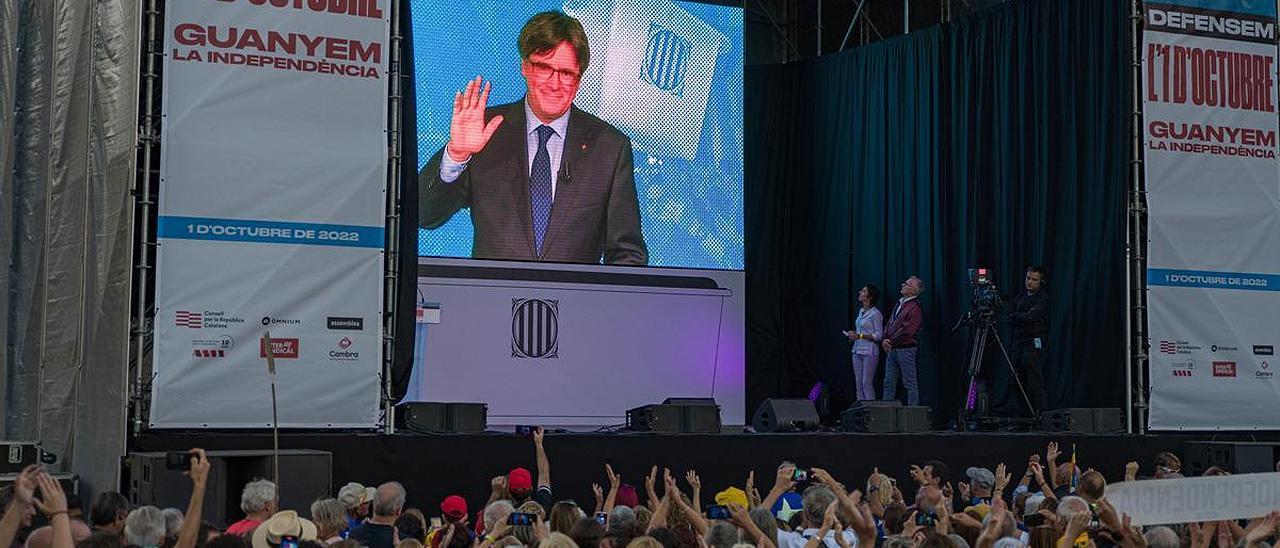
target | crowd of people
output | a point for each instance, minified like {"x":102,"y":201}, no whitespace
{"x":1052,"y":504}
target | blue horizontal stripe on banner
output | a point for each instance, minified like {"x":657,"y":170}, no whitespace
{"x":269,"y":232}
{"x":1213,"y":280}
{"x":1250,"y":7}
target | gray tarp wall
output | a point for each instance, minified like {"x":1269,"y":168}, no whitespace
{"x":68,"y":137}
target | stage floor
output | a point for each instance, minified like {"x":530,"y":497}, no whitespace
{"x":433,"y":466}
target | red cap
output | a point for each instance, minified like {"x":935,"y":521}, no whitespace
{"x":454,"y":507}
{"x":627,"y":496}
{"x":519,"y":481}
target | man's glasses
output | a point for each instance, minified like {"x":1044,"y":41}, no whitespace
{"x":544,"y":72}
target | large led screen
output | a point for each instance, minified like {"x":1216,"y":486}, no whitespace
{"x":645,"y":168}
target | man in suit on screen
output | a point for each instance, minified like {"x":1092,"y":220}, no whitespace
{"x":545,"y":181}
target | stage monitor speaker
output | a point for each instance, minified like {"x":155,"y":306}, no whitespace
{"x":655,"y":418}
{"x":466,"y":417}
{"x":914,"y":418}
{"x":785,"y":415}
{"x":690,"y":401}
{"x":423,"y":417}
{"x":697,"y":415}
{"x":305,"y":476}
{"x":871,"y":416}
{"x":435,"y":417}
{"x":1235,"y":457}
{"x":1085,"y":420}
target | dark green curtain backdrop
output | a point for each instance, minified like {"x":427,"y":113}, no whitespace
{"x":997,"y":141}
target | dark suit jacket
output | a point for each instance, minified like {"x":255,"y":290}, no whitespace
{"x":594,"y":215}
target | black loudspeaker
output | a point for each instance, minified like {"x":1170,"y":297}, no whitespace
{"x":785,"y":415}
{"x":1086,"y":420}
{"x":871,"y":416}
{"x":423,"y":417}
{"x":305,"y":476}
{"x":466,"y":417}
{"x":697,"y":415}
{"x":655,"y":418}
{"x":914,"y":418}
{"x":1234,"y":457}
{"x":436,"y":417}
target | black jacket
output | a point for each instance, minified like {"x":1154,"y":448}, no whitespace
{"x":1030,"y":315}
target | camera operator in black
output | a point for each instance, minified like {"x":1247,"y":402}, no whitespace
{"x":1029,"y":316}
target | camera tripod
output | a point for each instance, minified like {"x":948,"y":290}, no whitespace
{"x":984,"y":329}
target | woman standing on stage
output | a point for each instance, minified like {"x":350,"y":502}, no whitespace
{"x":866,"y":335}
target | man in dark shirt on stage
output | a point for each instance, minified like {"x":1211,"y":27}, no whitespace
{"x":1030,"y":319}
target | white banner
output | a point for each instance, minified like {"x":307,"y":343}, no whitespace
{"x":1209,"y":99}
{"x":1186,"y":500}
{"x":271,"y":215}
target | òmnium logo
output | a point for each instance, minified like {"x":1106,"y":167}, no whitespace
{"x":1217,"y":348}
{"x":349,"y":324}
{"x":268,"y":320}
{"x":535,"y":328}
{"x":1263,"y":350}
{"x":344,"y":353}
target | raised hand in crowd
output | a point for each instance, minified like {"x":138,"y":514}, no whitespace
{"x":1202,"y":534}
{"x":918,"y":474}
{"x":18,"y":513}
{"x":544,"y":464}
{"x":695,"y":489}
{"x":615,"y":482}
{"x":1076,"y":526}
{"x":541,"y":531}
{"x":1262,"y":529}
{"x":782,"y":483}
{"x":599,"y":493}
{"x":649,"y":487}
{"x":1002,"y":481}
{"x":944,"y":517}
{"x":188,"y":535}
{"x":497,"y":489}
{"x":740,"y":517}
{"x":1051,"y":455}
{"x":994,"y":525}
{"x":753,"y":494}
{"x":694,"y":517}
{"x":1131,"y":471}
{"x":829,"y":523}
{"x":53,"y":503}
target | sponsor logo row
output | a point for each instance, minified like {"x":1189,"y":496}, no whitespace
{"x":1221,"y":369}
{"x":1173,"y":348}
{"x":283,"y":348}
{"x":220,"y":319}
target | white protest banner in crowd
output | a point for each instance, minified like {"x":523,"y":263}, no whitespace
{"x":1186,"y":500}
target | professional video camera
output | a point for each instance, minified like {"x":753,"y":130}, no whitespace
{"x":983,"y":306}
{"x":986,"y":299}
